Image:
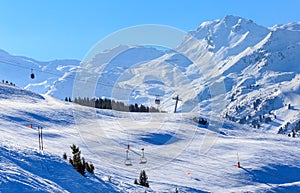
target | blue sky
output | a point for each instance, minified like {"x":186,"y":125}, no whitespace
{"x":60,"y":29}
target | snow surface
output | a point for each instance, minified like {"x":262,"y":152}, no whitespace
{"x":179,"y":153}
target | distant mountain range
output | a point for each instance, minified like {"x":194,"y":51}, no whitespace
{"x":231,"y":68}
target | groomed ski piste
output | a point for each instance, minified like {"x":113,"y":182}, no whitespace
{"x":179,"y":153}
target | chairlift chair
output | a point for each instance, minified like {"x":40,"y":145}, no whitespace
{"x":143,"y":159}
{"x":127,"y":160}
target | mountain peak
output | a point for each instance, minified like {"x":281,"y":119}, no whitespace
{"x":231,"y":19}
{"x":229,"y":32}
{"x":294,"y":26}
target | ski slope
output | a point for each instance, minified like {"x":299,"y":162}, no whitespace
{"x":179,"y":153}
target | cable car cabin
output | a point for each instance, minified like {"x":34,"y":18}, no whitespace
{"x":32,"y":74}
{"x":157,"y":101}
{"x":202,"y":122}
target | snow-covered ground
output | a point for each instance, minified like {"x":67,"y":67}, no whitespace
{"x":179,"y":153}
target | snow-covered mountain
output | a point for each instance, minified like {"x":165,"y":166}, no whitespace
{"x":17,"y":69}
{"x":230,"y":67}
{"x":258,"y":66}
{"x":179,"y":153}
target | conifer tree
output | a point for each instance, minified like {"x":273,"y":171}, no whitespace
{"x":92,"y":169}
{"x":65,"y":156}
{"x":143,"y":179}
{"x":76,"y":161}
{"x":79,"y":163}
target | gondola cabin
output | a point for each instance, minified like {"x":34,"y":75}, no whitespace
{"x":32,"y":76}
{"x":157,"y":101}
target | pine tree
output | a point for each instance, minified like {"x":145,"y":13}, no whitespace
{"x":144,"y":179}
{"x":76,"y":161}
{"x":131,"y":108}
{"x":143,"y":108}
{"x":65,"y":156}
{"x":136,"y":108}
{"x":90,"y":168}
{"x":79,"y":163}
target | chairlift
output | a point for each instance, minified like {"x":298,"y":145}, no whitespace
{"x":143,"y":159}
{"x":32,"y":74}
{"x":127,"y":160}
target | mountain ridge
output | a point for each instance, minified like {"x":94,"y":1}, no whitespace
{"x":231,"y":61}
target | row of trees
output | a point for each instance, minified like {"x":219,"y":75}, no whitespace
{"x":10,"y":83}
{"x":294,"y":129}
{"x":111,"y":104}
